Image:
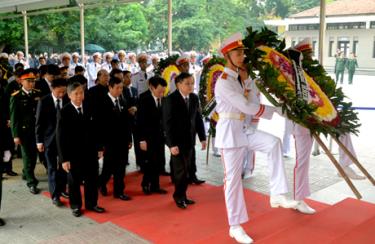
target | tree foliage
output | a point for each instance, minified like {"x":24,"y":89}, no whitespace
{"x":197,"y":24}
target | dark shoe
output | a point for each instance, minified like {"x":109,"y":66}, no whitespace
{"x":2,"y":222}
{"x":146,"y":190}
{"x":96,"y":209}
{"x":181,"y":204}
{"x":197,"y":182}
{"x":164,"y":173}
{"x":189,"y":201}
{"x":34,"y":189}
{"x":65,"y":195}
{"x":57,"y":202}
{"x":11,"y":173}
{"x":160,"y":191}
{"x":103,"y":191}
{"x":76,"y":212}
{"x":123,"y":197}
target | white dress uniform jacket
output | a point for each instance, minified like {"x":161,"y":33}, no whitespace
{"x":230,"y":133}
{"x":92,"y":71}
{"x":140,"y":81}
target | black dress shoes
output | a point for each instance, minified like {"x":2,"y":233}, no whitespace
{"x":197,"y":182}
{"x":189,"y":201}
{"x":164,"y":173}
{"x":2,"y":222}
{"x":103,"y":191}
{"x":146,"y":190}
{"x":57,"y":202}
{"x":34,"y":189}
{"x":96,"y":209}
{"x":123,"y":197}
{"x":64,"y":195}
{"x":181,"y":204}
{"x":76,"y":212}
{"x":11,"y":173}
{"x":160,"y":191}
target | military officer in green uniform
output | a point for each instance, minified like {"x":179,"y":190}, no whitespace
{"x":351,"y":65}
{"x":340,"y":67}
{"x":22,"y":119}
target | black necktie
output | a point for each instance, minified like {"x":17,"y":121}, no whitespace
{"x":187,"y":103}
{"x":122,"y":66}
{"x":145,"y":75}
{"x":79,"y":109}
{"x":159,"y":103}
{"x":117,"y":105}
{"x":239,"y":80}
{"x":58,"y":105}
{"x":110,"y":67}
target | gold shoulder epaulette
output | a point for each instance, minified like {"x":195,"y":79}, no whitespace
{"x":15,"y":93}
{"x":36,"y":90}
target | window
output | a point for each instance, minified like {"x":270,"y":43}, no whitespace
{"x":372,"y":25}
{"x":355,"y":44}
{"x":300,"y":27}
{"x":344,"y":26}
{"x":330,"y":48}
{"x":343,"y":44}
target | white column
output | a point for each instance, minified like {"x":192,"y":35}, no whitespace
{"x":169,"y":27}
{"x":82,"y":28}
{"x":322,"y":30}
{"x":26,"y":34}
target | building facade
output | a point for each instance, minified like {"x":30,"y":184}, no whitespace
{"x":350,"y":28}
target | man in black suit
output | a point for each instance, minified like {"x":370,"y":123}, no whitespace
{"x":182,"y":120}
{"x":151,"y":133}
{"x":78,"y":150}
{"x":45,"y":130}
{"x":47,"y":74}
{"x":97,"y":93}
{"x":116,"y":138}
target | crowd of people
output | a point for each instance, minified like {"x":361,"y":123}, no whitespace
{"x":75,"y":117}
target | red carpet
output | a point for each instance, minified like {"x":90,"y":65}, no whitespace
{"x":157,"y":219}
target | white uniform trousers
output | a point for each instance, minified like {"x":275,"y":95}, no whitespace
{"x":288,"y":130}
{"x":249,"y":162}
{"x":344,"y":159}
{"x":233,"y":159}
{"x":301,"y":185}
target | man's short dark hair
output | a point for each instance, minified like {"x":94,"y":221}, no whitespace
{"x":114,"y":72}
{"x":60,"y":82}
{"x":157,"y":80}
{"x":43,"y":70}
{"x":114,"y":81}
{"x":79,"y":69}
{"x":73,"y":86}
{"x":125,"y":72}
{"x":182,"y":77}
{"x":64,"y":68}
{"x":78,"y":78}
{"x":114,"y":61}
{"x":18,"y":66}
{"x":53,"y":69}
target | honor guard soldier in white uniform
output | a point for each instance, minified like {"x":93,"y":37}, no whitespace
{"x":74,"y":64}
{"x":234,"y":141}
{"x":140,"y":79}
{"x":183,"y":65}
{"x":107,"y":61}
{"x":133,"y":66}
{"x":195,"y":69}
{"x":93,"y":69}
{"x":123,"y":65}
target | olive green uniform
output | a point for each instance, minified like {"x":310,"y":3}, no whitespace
{"x":351,"y":65}
{"x":22,"y":118}
{"x":339,"y":69}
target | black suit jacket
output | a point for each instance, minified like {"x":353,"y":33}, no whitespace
{"x":150,"y":120}
{"x":181,"y":124}
{"x":115,"y":132}
{"x":46,"y":119}
{"x":42,"y":85}
{"x":131,"y":99}
{"x":96,"y":94}
{"x":76,"y":136}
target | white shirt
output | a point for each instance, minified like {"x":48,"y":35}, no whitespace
{"x":107,"y":66}
{"x":140,"y":82}
{"x":114,"y":100}
{"x":230,"y":99}
{"x":123,"y":66}
{"x":92,"y":71}
{"x":55,"y":101}
{"x":76,"y":107}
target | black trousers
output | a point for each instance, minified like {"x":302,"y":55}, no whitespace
{"x":155,"y":157}
{"x":180,"y":170}
{"x":193,"y":166}
{"x":29,"y":154}
{"x":86,"y":172}
{"x":57,"y":177}
{"x":114,"y":165}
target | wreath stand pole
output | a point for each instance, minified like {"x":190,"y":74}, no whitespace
{"x":354,"y":159}
{"x":337,"y":165}
{"x":208,"y":148}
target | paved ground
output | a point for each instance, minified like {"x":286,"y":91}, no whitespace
{"x":33,"y":219}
